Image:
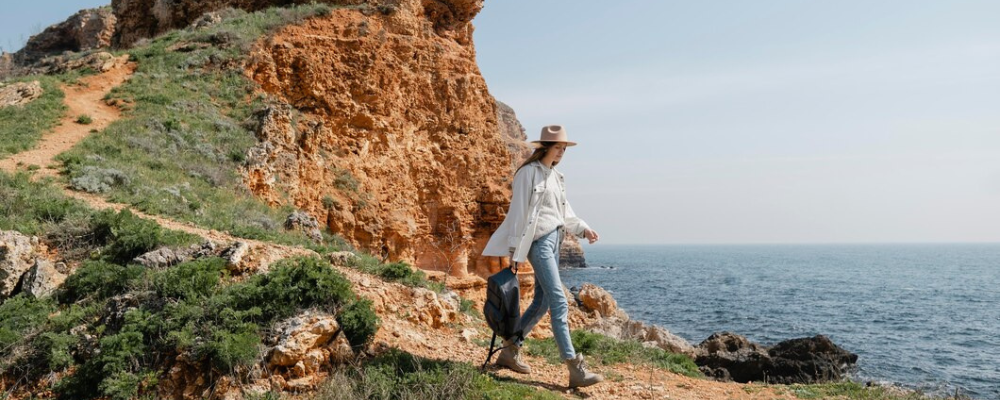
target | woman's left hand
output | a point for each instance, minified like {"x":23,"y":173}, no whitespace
{"x":591,"y":235}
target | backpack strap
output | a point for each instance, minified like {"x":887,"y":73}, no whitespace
{"x":489,"y":355}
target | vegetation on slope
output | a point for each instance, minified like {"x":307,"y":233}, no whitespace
{"x":23,"y":126}
{"x":185,"y":133}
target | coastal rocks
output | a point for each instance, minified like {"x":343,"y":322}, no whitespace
{"x":384,"y":130}
{"x":86,"y":30}
{"x":600,"y":314}
{"x":19,"y":93}
{"x":571,"y":253}
{"x":728,"y":356}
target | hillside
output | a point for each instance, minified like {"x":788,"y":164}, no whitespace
{"x":282,"y":202}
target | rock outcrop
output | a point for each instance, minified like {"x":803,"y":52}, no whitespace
{"x":303,"y":346}
{"x":597,"y":311}
{"x":86,"y":30}
{"x":571,"y":253}
{"x":389,"y":135}
{"x":18,"y":253}
{"x":728,"y":356}
{"x":513,"y":134}
{"x":139,"y":19}
{"x":19,"y":93}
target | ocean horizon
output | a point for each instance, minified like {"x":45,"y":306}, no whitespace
{"x":921,"y":315}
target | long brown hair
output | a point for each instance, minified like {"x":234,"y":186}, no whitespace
{"x":538,"y":154}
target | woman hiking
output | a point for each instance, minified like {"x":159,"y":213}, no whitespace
{"x":538,"y":218}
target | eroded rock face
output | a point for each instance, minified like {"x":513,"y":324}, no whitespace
{"x":728,"y":356}
{"x":513,"y":134}
{"x":138,"y":19}
{"x":390,"y":136}
{"x":19,"y":93}
{"x":571,"y":253}
{"x":86,"y":30}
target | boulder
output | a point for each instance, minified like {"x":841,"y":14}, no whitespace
{"x":727,"y":356}
{"x":42,"y":279}
{"x":302,"y":221}
{"x":18,"y":253}
{"x":810,"y":360}
{"x":165,"y":256}
{"x":595,"y":298}
{"x":19,"y":93}
{"x":305,"y":345}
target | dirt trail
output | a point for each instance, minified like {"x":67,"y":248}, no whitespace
{"x":623,"y":381}
{"x":82,"y":98}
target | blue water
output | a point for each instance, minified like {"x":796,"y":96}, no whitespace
{"x":923,"y":316}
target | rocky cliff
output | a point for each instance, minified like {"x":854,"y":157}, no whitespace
{"x":387,"y":133}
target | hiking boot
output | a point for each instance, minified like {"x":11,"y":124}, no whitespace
{"x":578,"y":374}
{"x":510,"y":357}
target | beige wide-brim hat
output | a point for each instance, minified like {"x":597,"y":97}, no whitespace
{"x":553,"y":133}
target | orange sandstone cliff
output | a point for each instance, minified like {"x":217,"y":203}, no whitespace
{"x":387,"y":133}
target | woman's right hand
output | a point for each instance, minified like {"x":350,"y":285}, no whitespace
{"x":591,"y":235}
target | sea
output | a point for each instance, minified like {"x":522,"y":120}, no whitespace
{"x":922,"y":316}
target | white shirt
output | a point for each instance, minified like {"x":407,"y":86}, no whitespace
{"x":514,"y":236}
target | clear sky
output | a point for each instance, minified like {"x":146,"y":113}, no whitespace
{"x":763,"y":121}
{"x":746,"y":122}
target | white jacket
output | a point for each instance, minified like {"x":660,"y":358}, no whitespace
{"x":514,"y":236}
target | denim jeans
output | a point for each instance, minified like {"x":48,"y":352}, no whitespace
{"x":549,"y":294}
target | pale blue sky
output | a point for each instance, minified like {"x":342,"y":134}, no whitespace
{"x":763,"y":121}
{"x":746,"y":122}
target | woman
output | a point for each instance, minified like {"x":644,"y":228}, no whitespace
{"x":533,"y":229}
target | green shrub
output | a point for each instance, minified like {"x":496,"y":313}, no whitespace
{"x":359,"y":321}
{"x":606,"y":351}
{"x":84,"y":119}
{"x":98,"y":280}
{"x":20,"y":315}
{"x":127,"y":235}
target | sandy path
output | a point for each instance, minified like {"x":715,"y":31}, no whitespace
{"x":83,"y":98}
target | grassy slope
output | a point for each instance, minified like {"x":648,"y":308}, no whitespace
{"x":23,"y":126}
{"x":178,"y":150}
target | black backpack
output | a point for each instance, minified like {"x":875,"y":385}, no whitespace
{"x":502,"y":307}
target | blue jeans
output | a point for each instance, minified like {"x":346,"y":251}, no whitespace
{"x":549,"y":294}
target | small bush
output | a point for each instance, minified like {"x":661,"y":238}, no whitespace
{"x":93,"y":179}
{"x":127,"y":235}
{"x":99,"y":280}
{"x":84,"y":119}
{"x":359,"y":321}
{"x":20,"y":315}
